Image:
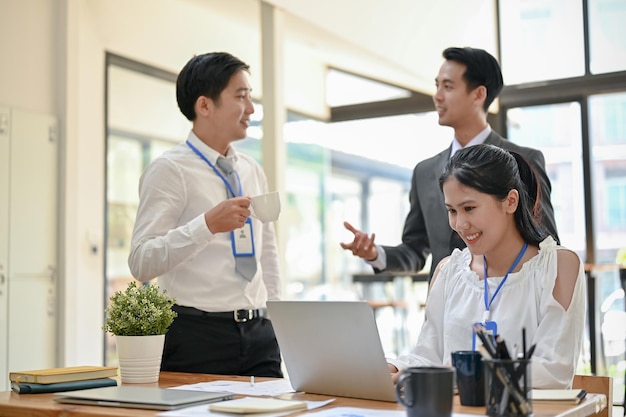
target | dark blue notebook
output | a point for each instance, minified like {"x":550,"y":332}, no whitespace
{"x":32,"y":388}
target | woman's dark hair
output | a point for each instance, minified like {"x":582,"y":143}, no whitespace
{"x":205,"y":75}
{"x":495,"y":171}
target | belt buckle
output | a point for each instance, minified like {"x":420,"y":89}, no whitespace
{"x":243,"y":319}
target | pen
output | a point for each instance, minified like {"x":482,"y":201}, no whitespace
{"x":521,"y":370}
{"x":531,"y":351}
{"x":501,"y":348}
{"x":252,"y":381}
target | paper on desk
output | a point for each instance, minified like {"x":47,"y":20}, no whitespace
{"x":365,"y":412}
{"x":203,"y":410}
{"x":357,"y":412}
{"x":269,"y":388}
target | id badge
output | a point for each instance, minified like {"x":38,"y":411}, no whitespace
{"x":490,"y":326}
{"x":243,"y":240}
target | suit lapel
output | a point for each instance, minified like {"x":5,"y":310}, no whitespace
{"x":440,"y":162}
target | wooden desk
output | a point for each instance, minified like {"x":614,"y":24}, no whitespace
{"x":42,"y":405}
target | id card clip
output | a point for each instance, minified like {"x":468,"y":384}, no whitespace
{"x":491,"y":328}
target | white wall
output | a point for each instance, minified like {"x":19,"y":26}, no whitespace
{"x":27,"y":54}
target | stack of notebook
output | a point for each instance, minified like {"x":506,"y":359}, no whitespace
{"x":62,"y":379}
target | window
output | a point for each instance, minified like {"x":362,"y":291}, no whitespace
{"x":541,"y":40}
{"x":577,"y":117}
{"x":343,"y":89}
{"x":333,"y":174}
{"x":555,"y":129}
{"x":607,"y":35}
{"x":615,"y":212}
{"x":608,"y":149}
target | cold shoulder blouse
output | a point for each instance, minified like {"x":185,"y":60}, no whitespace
{"x":456,"y":301}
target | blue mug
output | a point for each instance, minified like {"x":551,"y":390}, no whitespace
{"x":470,"y":377}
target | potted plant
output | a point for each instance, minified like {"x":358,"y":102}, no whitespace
{"x":139,"y":317}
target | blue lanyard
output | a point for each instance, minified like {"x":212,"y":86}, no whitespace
{"x":217,"y":171}
{"x":486,"y":286}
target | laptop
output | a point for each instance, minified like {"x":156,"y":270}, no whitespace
{"x":151,"y":398}
{"x":332,"y":348}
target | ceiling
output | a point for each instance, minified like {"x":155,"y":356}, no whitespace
{"x":399,"y":41}
{"x":394,"y":41}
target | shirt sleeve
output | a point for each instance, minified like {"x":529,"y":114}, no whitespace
{"x":380,"y":263}
{"x":270,"y":264}
{"x":158,"y":244}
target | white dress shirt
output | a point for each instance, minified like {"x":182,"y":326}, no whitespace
{"x":171,"y":240}
{"x":456,"y":301}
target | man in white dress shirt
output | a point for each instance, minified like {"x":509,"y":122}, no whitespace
{"x":188,"y":231}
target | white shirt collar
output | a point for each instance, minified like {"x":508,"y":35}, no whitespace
{"x":476,"y":140}
{"x":209,"y":152}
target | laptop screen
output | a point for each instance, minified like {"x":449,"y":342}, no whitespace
{"x":332,"y":348}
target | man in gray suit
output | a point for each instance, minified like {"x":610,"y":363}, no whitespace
{"x":468,"y":82}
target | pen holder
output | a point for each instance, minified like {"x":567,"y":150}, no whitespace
{"x":508,"y":387}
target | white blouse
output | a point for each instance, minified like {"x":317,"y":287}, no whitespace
{"x":456,"y":302}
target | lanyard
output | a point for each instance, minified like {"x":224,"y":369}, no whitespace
{"x":487,"y":302}
{"x":217,"y":171}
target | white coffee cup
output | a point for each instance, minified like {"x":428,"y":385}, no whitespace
{"x":266,"y":207}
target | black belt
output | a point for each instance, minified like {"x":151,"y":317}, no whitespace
{"x":240,"y":316}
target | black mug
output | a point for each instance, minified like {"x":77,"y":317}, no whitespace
{"x":426,"y":391}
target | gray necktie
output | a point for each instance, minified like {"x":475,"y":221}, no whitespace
{"x":245,"y":265}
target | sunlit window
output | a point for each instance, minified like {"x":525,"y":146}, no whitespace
{"x":608,"y":141}
{"x":402,"y":140}
{"x":555,"y":129}
{"x":607,"y":34}
{"x":343,"y":89}
{"x":541,"y":40}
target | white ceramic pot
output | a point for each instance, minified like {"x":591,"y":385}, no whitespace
{"x":140,"y":358}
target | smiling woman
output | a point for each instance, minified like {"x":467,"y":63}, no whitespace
{"x":510,"y":279}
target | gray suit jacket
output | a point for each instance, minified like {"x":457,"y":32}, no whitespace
{"x":426,"y":229}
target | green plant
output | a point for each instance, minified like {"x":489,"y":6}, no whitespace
{"x":142,"y":310}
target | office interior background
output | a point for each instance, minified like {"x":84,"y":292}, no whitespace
{"x":343,"y":113}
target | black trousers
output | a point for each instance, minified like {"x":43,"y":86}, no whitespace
{"x":212,"y":345}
